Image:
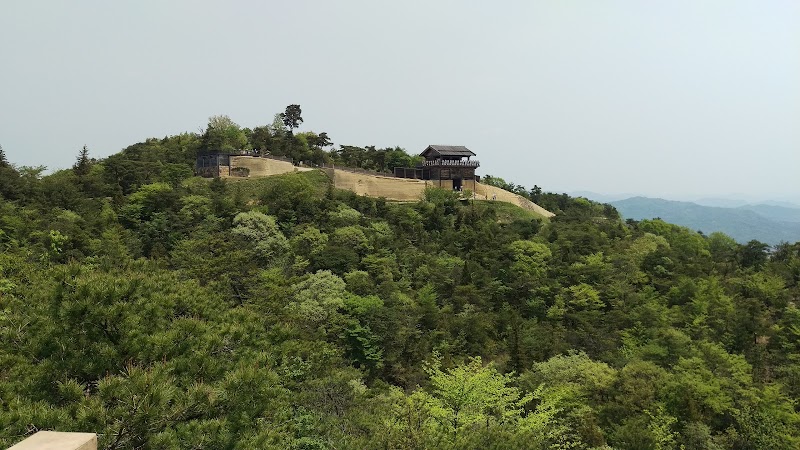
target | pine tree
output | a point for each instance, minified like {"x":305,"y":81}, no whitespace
{"x":83,"y":164}
{"x":3,"y":159}
{"x":292,"y":117}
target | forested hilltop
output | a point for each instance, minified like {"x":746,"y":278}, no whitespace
{"x":163,"y":310}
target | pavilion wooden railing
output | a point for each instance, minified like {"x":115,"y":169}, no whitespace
{"x":450,"y":162}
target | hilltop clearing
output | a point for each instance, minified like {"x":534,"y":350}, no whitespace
{"x":374,"y":185}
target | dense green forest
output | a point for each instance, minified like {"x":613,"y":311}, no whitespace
{"x":162,"y":310}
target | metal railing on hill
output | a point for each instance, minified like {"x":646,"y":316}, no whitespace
{"x":256,"y":155}
{"x":355,"y":170}
{"x":311,"y":165}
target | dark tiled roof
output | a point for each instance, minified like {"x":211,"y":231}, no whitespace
{"x":448,"y":150}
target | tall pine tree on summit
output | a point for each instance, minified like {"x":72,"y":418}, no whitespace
{"x":83,"y":164}
{"x":3,"y":159}
{"x":292,"y":117}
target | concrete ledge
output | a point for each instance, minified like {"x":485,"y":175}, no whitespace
{"x":54,"y":440}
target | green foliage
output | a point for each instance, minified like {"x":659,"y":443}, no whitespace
{"x":83,"y":164}
{"x":223,"y":135}
{"x":372,"y":158}
{"x":162,"y":310}
{"x":261,"y":231}
{"x":770,"y":224}
{"x":473,"y":395}
{"x":292,"y":117}
{"x":293,"y":198}
{"x":317,"y":299}
{"x":530,"y":258}
{"x":344,"y":216}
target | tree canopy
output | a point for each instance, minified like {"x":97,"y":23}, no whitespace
{"x":162,"y":310}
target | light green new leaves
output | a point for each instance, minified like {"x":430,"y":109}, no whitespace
{"x":317,"y":298}
{"x":530,"y":258}
{"x":473,"y":393}
{"x":263,"y":231}
{"x":344,"y":216}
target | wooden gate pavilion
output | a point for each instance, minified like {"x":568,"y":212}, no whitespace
{"x":449,"y":166}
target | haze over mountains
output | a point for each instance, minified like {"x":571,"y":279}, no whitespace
{"x":723,"y":201}
{"x":740,"y":201}
{"x":739,"y":216}
{"x":769,"y":221}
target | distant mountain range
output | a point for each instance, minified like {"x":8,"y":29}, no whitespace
{"x":734,"y":202}
{"x":602,"y":198}
{"x":773,"y":212}
{"x":767,"y":223}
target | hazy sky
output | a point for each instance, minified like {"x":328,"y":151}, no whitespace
{"x":669,"y":98}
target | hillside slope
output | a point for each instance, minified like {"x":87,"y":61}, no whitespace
{"x":489,"y":192}
{"x":373,"y":185}
{"x":774,"y":212}
{"x":264,"y":167}
{"x":390,"y":188}
{"x":403,"y":189}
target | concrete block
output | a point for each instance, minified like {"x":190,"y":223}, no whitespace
{"x":54,"y":440}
